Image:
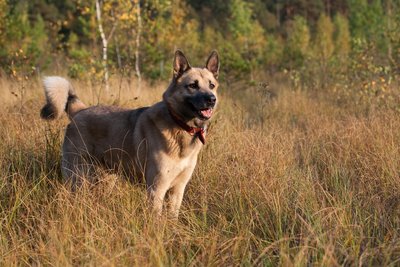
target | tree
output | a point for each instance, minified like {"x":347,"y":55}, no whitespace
{"x":168,"y":27}
{"x":298,"y":41}
{"x":367,"y":21}
{"x":3,"y":27}
{"x":342,"y":36}
{"x":23,"y":39}
{"x":323,"y":44}
{"x":105,"y":41}
{"x":137,"y":41}
{"x":248,"y":35}
{"x":392,"y":33}
{"x":3,"y":12}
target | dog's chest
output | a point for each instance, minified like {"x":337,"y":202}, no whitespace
{"x":177,"y":165}
{"x":184,"y":163}
{"x":177,"y":169}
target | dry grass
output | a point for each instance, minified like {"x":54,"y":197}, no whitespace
{"x":289,"y":180}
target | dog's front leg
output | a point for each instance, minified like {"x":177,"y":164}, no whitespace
{"x":157,"y":190}
{"x":177,"y":191}
{"x":175,"y":200}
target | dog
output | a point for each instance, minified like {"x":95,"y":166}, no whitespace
{"x":159,"y":143}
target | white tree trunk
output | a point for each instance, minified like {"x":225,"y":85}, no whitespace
{"x":139,"y":31}
{"x":105,"y":45}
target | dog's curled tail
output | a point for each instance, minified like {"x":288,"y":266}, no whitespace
{"x":60,"y":96}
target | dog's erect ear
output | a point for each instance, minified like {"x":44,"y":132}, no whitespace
{"x":213,"y":63}
{"x":181,"y":64}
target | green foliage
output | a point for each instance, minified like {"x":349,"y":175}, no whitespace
{"x":76,"y":70}
{"x":240,"y":19}
{"x":233,"y":61}
{"x":298,"y":39}
{"x":39,"y":42}
{"x":323,"y":44}
{"x":3,"y":22}
{"x":81,"y":59}
{"x":392,"y":32}
{"x":371,"y":84}
{"x":248,"y":36}
{"x":342,"y":36}
{"x":367,"y":21}
{"x":24,"y":41}
{"x":252,"y":35}
{"x":273,"y":52}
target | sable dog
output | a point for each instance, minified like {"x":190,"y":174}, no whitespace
{"x":160,"y":142}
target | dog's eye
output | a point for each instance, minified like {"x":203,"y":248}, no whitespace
{"x":212,"y":86}
{"x":194,"y":85}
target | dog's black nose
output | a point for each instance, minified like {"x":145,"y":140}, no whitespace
{"x":211,"y":99}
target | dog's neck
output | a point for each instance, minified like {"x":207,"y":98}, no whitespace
{"x":194,"y":131}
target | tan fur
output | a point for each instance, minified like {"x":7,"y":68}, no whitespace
{"x":144,"y":142}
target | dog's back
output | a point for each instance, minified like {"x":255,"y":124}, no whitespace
{"x":98,"y":135}
{"x":103,"y":135}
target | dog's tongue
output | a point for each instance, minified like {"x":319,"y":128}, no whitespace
{"x":206,"y":112}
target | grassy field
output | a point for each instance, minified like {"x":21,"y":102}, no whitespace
{"x":287,"y":177}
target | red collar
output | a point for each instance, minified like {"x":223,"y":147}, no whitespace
{"x":198,"y":131}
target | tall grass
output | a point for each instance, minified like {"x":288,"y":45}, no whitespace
{"x":286,"y":178}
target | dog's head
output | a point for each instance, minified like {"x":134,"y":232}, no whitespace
{"x":192,"y":93}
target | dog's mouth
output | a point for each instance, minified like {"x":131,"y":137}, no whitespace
{"x":205,"y":114}
{"x":201,"y":111}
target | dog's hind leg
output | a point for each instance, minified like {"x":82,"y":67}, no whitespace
{"x":76,"y":170}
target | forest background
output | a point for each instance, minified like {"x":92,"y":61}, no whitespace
{"x":252,"y":36}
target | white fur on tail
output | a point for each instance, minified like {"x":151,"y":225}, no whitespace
{"x":57,"y":90}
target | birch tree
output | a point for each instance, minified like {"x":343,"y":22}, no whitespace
{"x":105,"y":41}
{"x":136,"y":6}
